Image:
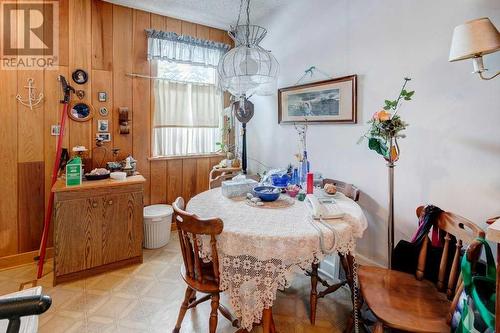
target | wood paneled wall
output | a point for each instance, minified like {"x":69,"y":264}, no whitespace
{"x":107,"y":41}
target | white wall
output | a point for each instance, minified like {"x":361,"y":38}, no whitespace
{"x":451,"y":156}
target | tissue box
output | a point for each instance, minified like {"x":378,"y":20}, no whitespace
{"x":237,"y":187}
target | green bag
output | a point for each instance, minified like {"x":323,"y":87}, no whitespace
{"x":475,"y":311}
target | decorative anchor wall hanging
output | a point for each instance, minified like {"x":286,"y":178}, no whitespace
{"x":31,"y":101}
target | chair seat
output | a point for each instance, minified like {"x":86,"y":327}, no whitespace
{"x":402,"y":302}
{"x":207,"y":285}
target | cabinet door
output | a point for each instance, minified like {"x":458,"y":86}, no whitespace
{"x":122,"y":226}
{"x":77,"y":234}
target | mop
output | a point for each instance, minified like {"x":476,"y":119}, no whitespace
{"x":67,"y":90}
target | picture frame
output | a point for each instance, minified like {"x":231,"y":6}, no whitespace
{"x":102,"y":96}
{"x":105,"y":137}
{"x":103,"y":111}
{"x":81,"y":111}
{"x":80,"y":76}
{"x":327,"y":101}
{"x":55,"y":130}
{"x":102,"y":125}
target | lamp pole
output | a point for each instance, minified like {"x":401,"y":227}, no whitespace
{"x":390,"y":220}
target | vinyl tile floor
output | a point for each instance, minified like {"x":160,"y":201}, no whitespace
{"x":147,"y":298}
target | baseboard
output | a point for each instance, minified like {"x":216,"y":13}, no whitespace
{"x":365,"y":261}
{"x":23,"y":258}
{"x":330,"y":268}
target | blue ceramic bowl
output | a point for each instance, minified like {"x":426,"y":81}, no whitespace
{"x":280,"y":181}
{"x":267,"y":193}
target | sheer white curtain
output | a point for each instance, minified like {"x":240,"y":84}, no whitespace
{"x":188,"y":99}
{"x":186,"y":119}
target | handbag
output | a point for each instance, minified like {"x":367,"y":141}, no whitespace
{"x":475,"y":311}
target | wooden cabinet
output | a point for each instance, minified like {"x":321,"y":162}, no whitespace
{"x":97,"y":226}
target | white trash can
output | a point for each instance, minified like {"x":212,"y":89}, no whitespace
{"x":157,"y":224}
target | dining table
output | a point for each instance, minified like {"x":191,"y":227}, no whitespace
{"x":262,"y":247}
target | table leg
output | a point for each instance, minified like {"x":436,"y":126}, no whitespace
{"x":313,"y":299}
{"x":267,"y":320}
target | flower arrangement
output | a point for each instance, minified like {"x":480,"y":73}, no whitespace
{"x":386,"y":126}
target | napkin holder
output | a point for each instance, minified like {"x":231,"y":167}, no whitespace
{"x":237,"y":187}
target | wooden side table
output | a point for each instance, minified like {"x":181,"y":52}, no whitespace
{"x":493,"y":235}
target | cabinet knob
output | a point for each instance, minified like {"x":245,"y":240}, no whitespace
{"x":94,"y":204}
{"x":110,"y":202}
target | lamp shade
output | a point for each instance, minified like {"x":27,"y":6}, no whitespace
{"x":474,"y":39}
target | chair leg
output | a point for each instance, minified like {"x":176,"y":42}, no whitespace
{"x":267,"y":317}
{"x":225,"y":312}
{"x":313,"y":299}
{"x":378,"y":328}
{"x":213,"y":314}
{"x":347,"y":269}
{"x":182,"y":311}
{"x":193,"y":297}
{"x":350,"y":324}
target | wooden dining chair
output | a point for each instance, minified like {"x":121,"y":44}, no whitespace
{"x":407,"y":302}
{"x":349,"y":190}
{"x":200,"y":276}
{"x":218,"y":175}
{"x":217,"y":182}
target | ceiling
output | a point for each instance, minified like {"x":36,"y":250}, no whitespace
{"x":214,"y":13}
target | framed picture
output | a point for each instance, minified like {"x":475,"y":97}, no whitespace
{"x":105,"y":137}
{"x":80,"y":76}
{"x":103,"y":111}
{"x":329,"y":101}
{"x":102,"y":96}
{"x":102,"y":125}
{"x":55,"y":130}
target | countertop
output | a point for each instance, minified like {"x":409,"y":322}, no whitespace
{"x":60,"y":185}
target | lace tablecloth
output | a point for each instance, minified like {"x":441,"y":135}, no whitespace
{"x":259,"y":249}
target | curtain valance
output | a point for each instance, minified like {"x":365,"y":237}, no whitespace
{"x":163,"y":45}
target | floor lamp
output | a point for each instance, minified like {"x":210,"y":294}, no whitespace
{"x":393,"y":157}
{"x":472,"y":40}
{"x":243,"y":110}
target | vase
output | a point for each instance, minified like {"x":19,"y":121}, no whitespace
{"x":393,"y":151}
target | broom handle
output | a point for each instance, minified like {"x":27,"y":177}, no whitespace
{"x":48,"y":212}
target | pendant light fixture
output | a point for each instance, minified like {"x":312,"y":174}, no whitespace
{"x":248,"y":69}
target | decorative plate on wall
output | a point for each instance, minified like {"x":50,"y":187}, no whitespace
{"x":80,"y":76}
{"x":81,"y":111}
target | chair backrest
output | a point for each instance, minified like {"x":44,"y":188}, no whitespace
{"x":254,"y":177}
{"x":459,"y":231}
{"x":218,"y":175}
{"x":217,"y":182}
{"x":191,"y":228}
{"x":349,"y":190}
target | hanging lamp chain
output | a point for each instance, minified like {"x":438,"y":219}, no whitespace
{"x":248,"y":23}
{"x":239,"y":13}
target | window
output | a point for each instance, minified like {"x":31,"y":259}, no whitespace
{"x":188,"y":110}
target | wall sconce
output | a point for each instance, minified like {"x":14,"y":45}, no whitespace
{"x":472,"y":40}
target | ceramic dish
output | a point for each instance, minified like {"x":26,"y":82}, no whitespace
{"x":267,"y":193}
{"x":96,"y":177}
